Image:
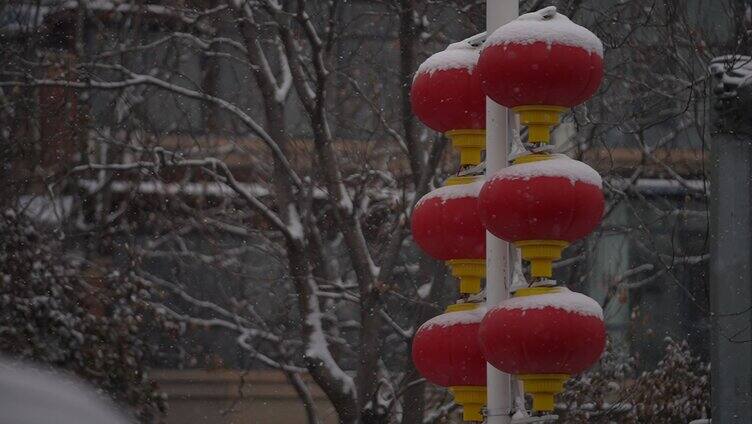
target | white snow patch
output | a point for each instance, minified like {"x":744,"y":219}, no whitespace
{"x":424,"y":290}
{"x":318,"y":349}
{"x":519,"y":402}
{"x":41,"y":395}
{"x":562,"y":298}
{"x":375,"y":269}
{"x":558,"y":166}
{"x":731,"y":71}
{"x":457,"y":191}
{"x":43,"y":209}
{"x":121,"y":7}
{"x":190,"y":189}
{"x":548,"y":26}
{"x":456,"y":318}
{"x":295,"y":227}
{"x":660,"y":186}
{"x":344,"y":199}
{"x":456,"y":56}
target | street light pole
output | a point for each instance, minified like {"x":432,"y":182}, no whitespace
{"x":498,"y":281}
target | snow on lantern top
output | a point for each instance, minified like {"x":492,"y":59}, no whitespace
{"x":558,"y":298}
{"x":463,"y":317}
{"x":556,"y":165}
{"x":456,"y":56}
{"x":453,"y":191}
{"x":446,"y":93}
{"x":548,"y":26}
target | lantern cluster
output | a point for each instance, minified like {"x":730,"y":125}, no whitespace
{"x":543,"y":334}
{"x":446,"y":95}
{"x":538,"y":65}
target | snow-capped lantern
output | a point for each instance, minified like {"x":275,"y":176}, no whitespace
{"x":541,"y":64}
{"x":447,"y":353}
{"x":543,"y":335}
{"x":541,"y":204}
{"x":446,"y":225}
{"x":446,"y":96}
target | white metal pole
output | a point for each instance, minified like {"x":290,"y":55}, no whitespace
{"x":498,"y":281}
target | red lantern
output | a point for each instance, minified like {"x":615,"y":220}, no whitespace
{"x":542,"y":203}
{"x":543,"y":335}
{"x":540,"y":64}
{"x":446,"y":352}
{"x":447,"y":226}
{"x":446,"y":96}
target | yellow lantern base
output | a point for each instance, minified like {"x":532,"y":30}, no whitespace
{"x":470,"y":144}
{"x":532,"y":157}
{"x":472,"y":399}
{"x":459,"y":307}
{"x":541,"y":254}
{"x":532,"y":291}
{"x":539,"y":119}
{"x":543,"y":387}
{"x":457,"y":180}
{"x":469,"y":272}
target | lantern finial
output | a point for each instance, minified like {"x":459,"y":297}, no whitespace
{"x":541,"y":254}
{"x":470,"y":143}
{"x":539,"y":119}
{"x":543,"y":387}
{"x":469,"y":272}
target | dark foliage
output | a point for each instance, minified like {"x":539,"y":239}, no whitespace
{"x":83,"y":319}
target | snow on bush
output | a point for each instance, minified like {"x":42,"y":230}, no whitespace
{"x":89,"y":322}
{"x":676,"y":391}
